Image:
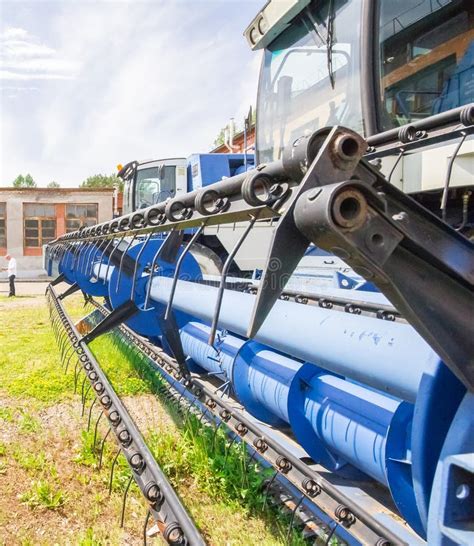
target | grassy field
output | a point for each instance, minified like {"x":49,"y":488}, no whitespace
{"x":51,"y":488}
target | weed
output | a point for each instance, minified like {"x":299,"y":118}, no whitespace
{"x":3,"y":468}
{"x":87,"y":455}
{"x":43,"y":495}
{"x":89,"y":539}
{"x":6,"y":414}
{"x":3,"y":449}
{"x":33,"y":462}
{"x":28,"y":423}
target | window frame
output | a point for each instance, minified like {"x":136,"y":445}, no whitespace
{"x":80,"y":218}
{"x":40,"y":220}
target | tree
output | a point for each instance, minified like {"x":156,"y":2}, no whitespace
{"x":24,"y":181}
{"x":53,"y":184}
{"x":103,"y":181}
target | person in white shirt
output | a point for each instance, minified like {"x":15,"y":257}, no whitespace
{"x":11,"y":273}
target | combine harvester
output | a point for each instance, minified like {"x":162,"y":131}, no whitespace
{"x":362,"y":402}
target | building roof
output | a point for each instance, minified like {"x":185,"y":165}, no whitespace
{"x":57,"y":190}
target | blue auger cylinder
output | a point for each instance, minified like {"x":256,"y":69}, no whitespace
{"x":217,"y":360}
{"x":336,"y":421}
{"x":261,"y":378}
{"x":388,"y":356}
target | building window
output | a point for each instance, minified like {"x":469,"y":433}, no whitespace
{"x":78,"y":216}
{"x":40,"y":224}
{"x":3,"y":225}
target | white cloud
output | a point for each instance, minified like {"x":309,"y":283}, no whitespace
{"x":150,"y":80}
{"x":24,"y":57}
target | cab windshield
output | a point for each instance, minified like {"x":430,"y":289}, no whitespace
{"x":154,"y":185}
{"x":310,"y":77}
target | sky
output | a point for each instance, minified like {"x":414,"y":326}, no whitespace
{"x":86,"y":85}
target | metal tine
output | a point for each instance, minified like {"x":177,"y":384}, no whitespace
{"x":101,"y":453}
{"x":162,"y":253}
{"x":268,"y":487}
{"x":137,"y":260}
{"x":69,"y":360}
{"x":124,"y":501}
{"x":397,"y":161}
{"x":178,"y":269}
{"x":224,"y":273}
{"x":111,"y":254}
{"x":85,"y":399}
{"x":444,"y":197}
{"x":77,"y":371}
{"x":77,"y":254}
{"x":145,"y":526}
{"x":231,"y":443}
{"x":91,"y":262}
{"x":90,"y":414}
{"x":121,"y":261}
{"x":85,"y":259}
{"x":292,"y":519}
{"x":114,"y":462}
{"x":331,"y":534}
{"x":96,"y":427}
{"x":103,"y":255}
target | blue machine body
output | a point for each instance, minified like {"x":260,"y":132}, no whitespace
{"x":328,"y":399}
{"x":205,"y":169}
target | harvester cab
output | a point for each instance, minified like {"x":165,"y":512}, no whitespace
{"x":395,"y":72}
{"x":151,"y":182}
{"x":361,"y":400}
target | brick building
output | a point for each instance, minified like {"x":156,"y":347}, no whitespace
{"x":31,"y":217}
{"x":238,"y":143}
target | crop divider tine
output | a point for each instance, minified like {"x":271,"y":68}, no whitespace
{"x":124,"y":501}
{"x":231,"y":443}
{"x":225,"y":271}
{"x":83,"y":385}
{"x":170,"y":331}
{"x":120,"y":314}
{"x":288,"y":243}
{"x":73,"y":288}
{"x":168,"y":251}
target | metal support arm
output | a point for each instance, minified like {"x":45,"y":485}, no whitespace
{"x":423,"y":266}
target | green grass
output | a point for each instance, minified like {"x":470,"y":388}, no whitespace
{"x":43,"y":495}
{"x":197,"y":453}
{"x":29,"y":358}
{"x":218,"y":485}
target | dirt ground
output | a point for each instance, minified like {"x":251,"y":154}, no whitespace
{"x":24,"y":288}
{"x":48,"y":452}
